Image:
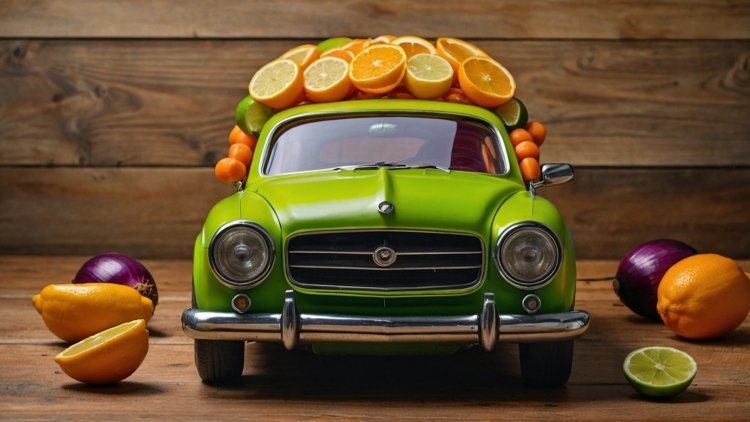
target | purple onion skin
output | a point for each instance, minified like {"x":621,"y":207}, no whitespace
{"x":113,"y":267}
{"x":641,"y":270}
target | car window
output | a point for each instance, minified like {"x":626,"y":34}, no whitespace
{"x":405,"y":141}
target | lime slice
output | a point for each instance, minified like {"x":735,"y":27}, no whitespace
{"x":251,"y":115}
{"x":513,"y":113}
{"x":658,"y":371}
{"x":335,"y":42}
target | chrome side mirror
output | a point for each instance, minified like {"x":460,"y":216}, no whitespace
{"x":554,"y":174}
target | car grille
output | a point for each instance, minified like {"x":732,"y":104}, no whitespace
{"x":385,"y":260}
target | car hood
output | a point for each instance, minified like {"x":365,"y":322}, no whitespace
{"x":428,"y":199}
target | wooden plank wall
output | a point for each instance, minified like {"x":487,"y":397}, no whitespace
{"x":112,"y":113}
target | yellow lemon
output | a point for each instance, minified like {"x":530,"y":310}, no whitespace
{"x":76,"y":311}
{"x":107,"y":357}
{"x":428,"y":76}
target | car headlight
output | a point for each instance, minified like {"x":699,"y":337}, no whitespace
{"x":528,"y":255}
{"x":241,"y":254}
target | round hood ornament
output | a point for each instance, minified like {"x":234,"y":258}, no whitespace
{"x":385,"y":207}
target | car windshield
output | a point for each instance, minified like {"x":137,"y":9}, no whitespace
{"x":396,"y":142}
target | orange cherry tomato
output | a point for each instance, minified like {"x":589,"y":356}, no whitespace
{"x":520,"y":135}
{"x":527,"y":149}
{"x":241,"y":152}
{"x":530,"y":169}
{"x":230,"y":170}
{"x":237,"y":136}
{"x":537,"y":131}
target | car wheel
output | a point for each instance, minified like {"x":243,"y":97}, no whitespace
{"x":219,"y":362}
{"x":546,"y":364}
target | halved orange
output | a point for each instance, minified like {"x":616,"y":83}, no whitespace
{"x":378,"y":68}
{"x":414,"y":45}
{"x":303,"y":55}
{"x":327,"y":79}
{"x":357,"y":45}
{"x":383,"y":39}
{"x":278,"y":84}
{"x":340,"y":53}
{"x":456,"y":50}
{"x":486,"y":82}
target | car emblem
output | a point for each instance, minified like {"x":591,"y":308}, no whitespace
{"x":385,"y":207}
{"x":384,"y":256}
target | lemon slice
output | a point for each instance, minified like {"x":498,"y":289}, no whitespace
{"x":303,"y":55}
{"x":428,"y":75}
{"x":278,"y":84}
{"x":658,"y":371}
{"x":327,"y":79}
{"x":106,"y":357}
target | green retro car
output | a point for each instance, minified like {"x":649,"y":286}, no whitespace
{"x":386,"y":226}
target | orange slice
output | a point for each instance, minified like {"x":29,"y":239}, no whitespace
{"x":327,"y":79}
{"x":357,"y":45}
{"x":303,"y":55}
{"x":456,"y":51}
{"x":278,"y":84}
{"x":486,"y":82}
{"x":378,"y":69}
{"x":340,"y":53}
{"x":383,"y":39}
{"x":414,"y":45}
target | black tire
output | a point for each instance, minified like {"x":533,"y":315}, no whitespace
{"x":219,"y":362}
{"x":546,"y":364}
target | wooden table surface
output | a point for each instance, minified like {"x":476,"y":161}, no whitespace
{"x":280,"y":385}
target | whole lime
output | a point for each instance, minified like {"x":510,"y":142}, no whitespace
{"x":251,"y":115}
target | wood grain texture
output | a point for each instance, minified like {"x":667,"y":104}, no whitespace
{"x":157,"y":212}
{"x":280,"y":385}
{"x":533,"y":19}
{"x":171,"y":103}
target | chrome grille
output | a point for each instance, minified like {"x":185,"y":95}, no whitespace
{"x":385,"y":260}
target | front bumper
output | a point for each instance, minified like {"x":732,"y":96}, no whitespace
{"x":292,"y":328}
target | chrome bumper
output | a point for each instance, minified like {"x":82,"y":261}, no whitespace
{"x":292,"y":328}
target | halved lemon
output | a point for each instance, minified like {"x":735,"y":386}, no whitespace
{"x":428,"y":76}
{"x":278,"y":84}
{"x":106,"y":357}
{"x":303,"y":55}
{"x":327,"y":79}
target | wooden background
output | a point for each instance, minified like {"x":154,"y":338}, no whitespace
{"x":112,"y":113}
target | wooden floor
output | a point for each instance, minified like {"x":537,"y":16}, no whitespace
{"x":279,"y":385}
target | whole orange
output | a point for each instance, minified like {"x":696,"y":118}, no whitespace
{"x":704,"y":296}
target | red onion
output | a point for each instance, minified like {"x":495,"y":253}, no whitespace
{"x":641,"y":270}
{"x":113,"y":267}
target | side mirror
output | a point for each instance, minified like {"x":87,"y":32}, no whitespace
{"x":554,"y":174}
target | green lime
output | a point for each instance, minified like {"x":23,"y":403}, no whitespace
{"x":658,"y":371}
{"x":513,"y":113}
{"x":335,"y":42}
{"x":251,"y":115}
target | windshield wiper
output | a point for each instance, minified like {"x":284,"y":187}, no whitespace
{"x":391,"y":166}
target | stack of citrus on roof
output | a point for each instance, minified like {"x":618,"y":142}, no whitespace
{"x":387,"y":66}
{"x":341,"y":68}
